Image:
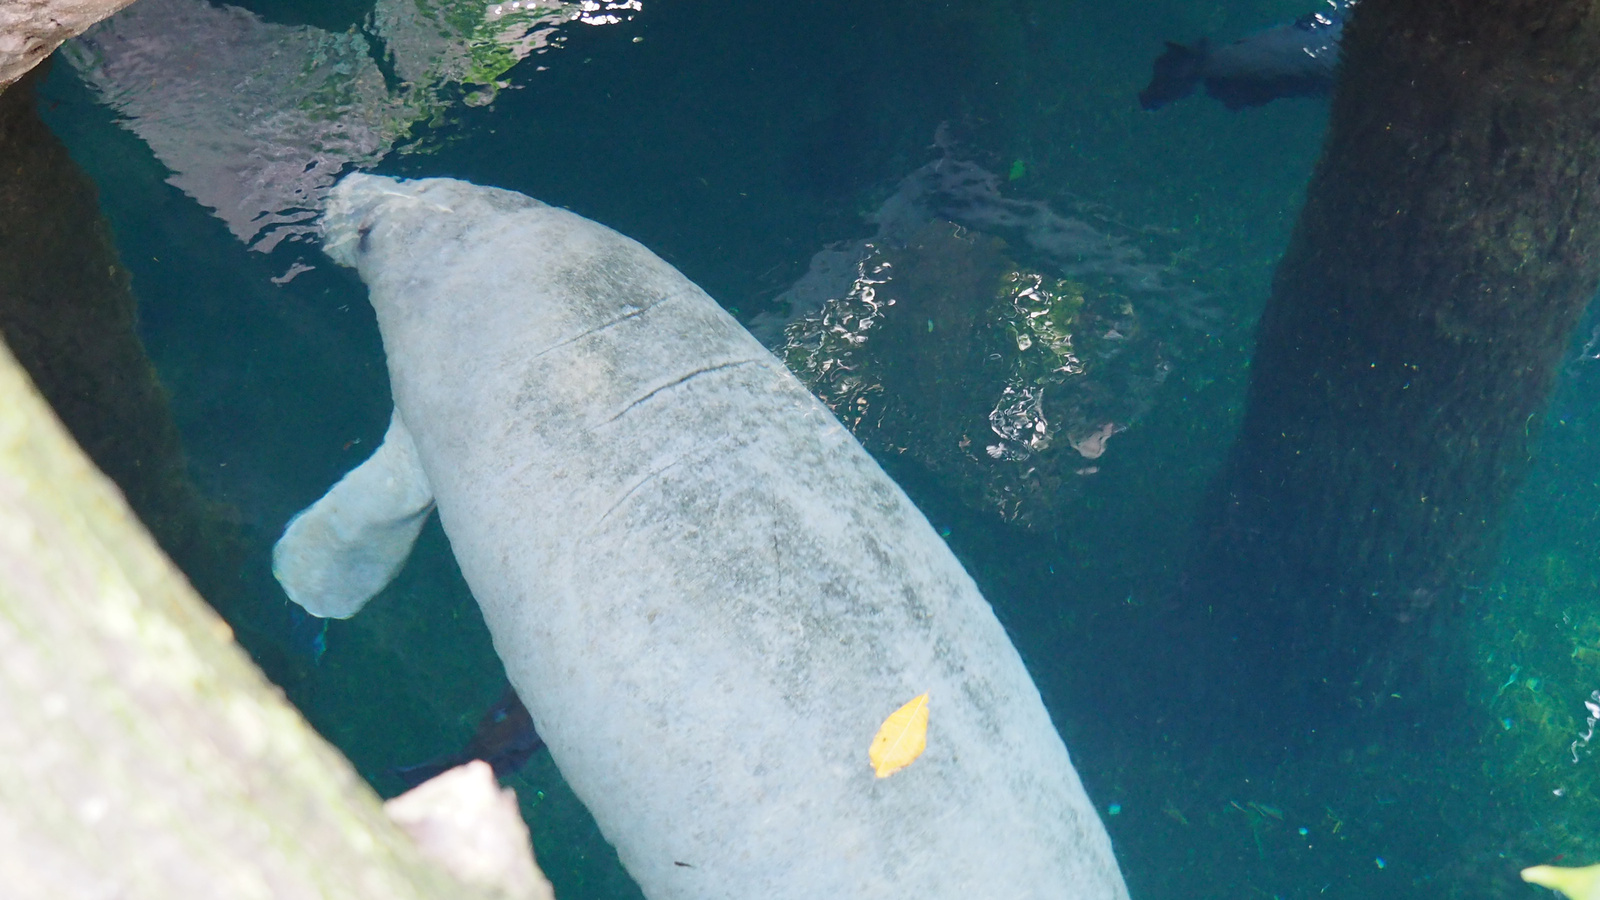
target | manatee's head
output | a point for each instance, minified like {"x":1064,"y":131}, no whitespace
{"x":364,"y":211}
{"x":353,"y":211}
{"x":361,"y":203}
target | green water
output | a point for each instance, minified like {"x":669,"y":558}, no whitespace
{"x":736,"y":140}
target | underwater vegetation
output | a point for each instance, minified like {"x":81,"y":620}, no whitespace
{"x":1536,"y":653}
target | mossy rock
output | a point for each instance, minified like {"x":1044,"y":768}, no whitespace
{"x":1001,"y":380}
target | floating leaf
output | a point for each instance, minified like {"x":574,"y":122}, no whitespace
{"x":1578,"y":884}
{"x":901,"y":738}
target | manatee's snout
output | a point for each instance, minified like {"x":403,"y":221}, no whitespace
{"x":358,"y":204}
{"x":351,"y":211}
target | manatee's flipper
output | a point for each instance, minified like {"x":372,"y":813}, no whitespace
{"x":505,"y":739}
{"x":345,"y":548}
{"x":1176,"y":74}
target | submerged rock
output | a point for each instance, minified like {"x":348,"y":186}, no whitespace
{"x":1004,"y":381}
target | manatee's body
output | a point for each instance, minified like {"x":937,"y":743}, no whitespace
{"x":1299,"y":59}
{"x":706,"y":592}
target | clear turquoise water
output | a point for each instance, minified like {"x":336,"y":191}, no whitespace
{"x":737,"y":139}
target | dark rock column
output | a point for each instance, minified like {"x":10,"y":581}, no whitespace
{"x":67,"y":313}
{"x":1449,"y":242}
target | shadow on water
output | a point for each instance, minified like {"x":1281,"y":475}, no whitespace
{"x":68,"y":315}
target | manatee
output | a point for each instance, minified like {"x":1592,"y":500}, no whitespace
{"x":1298,"y":59}
{"x":707,"y":594}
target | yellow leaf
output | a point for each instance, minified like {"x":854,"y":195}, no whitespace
{"x":1579,"y":884}
{"x":901,"y":739}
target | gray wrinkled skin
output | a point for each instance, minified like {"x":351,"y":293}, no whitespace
{"x":706,"y":592}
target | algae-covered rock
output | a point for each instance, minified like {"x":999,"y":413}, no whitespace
{"x":1003,"y":380}
{"x":31,"y":29}
{"x":257,"y":118}
{"x":145,"y":755}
